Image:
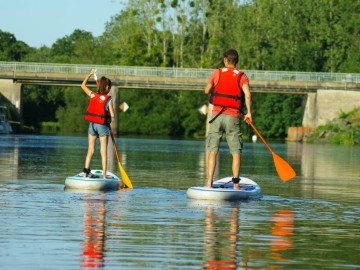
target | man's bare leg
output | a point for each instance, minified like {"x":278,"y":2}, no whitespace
{"x":236,"y":168}
{"x":211,"y":168}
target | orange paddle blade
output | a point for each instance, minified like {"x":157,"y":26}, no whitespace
{"x":284,"y":170}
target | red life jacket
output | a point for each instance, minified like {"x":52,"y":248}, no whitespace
{"x":227,"y":91}
{"x":96,"y":112}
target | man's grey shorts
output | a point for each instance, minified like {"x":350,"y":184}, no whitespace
{"x":231,"y":127}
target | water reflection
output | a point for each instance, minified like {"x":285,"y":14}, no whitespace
{"x":225,"y":250}
{"x":154,"y":226}
{"x":281,"y":231}
{"x":221,"y":237}
{"x":9,"y":160}
{"x":94,"y":232}
{"x":202,"y":165}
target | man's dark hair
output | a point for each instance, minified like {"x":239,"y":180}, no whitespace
{"x":232,"y":56}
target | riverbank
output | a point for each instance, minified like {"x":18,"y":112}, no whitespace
{"x":344,"y":130}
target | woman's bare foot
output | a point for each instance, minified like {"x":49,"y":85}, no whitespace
{"x":86,"y":172}
{"x":208,"y":184}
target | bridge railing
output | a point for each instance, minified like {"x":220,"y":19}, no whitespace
{"x":136,"y":71}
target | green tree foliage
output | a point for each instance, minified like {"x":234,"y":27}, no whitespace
{"x":162,"y":112}
{"x":12,"y":49}
{"x":40,"y":55}
{"x":77,"y":48}
{"x":123,"y":41}
{"x":71,"y":115}
{"x":291,"y":35}
{"x":40,"y":103}
{"x":276,"y":113}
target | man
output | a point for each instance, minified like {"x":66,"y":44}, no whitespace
{"x":226,"y":86}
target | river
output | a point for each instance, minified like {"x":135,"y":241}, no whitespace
{"x":309,"y":222}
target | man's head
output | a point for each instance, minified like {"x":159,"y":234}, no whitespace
{"x":232,"y":56}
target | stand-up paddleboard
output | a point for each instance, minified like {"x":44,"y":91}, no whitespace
{"x":94,"y":181}
{"x":223,"y":190}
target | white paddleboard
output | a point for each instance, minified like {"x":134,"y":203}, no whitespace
{"x":223,"y":190}
{"x":94,"y":181}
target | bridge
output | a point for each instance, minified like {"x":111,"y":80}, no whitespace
{"x":341,"y":90}
{"x":174,"y":78}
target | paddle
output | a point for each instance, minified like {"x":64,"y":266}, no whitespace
{"x":124,"y":176}
{"x":284,"y":170}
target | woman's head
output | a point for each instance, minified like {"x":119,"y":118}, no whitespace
{"x":104,"y":86}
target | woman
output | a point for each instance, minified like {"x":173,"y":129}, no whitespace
{"x":99,"y":114}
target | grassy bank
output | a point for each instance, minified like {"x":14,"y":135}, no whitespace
{"x":344,"y":130}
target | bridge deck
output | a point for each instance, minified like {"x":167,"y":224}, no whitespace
{"x":174,"y":78}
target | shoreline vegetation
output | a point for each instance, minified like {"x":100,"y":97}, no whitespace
{"x":269,"y":35}
{"x":344,"y":130}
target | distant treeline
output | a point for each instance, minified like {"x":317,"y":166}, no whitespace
{"x":288,"y":35}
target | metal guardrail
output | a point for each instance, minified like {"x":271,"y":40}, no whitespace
{"x":257,"y":75}
{"x":258,"y":78}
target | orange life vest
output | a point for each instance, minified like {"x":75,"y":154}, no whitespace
{"x":227,"y":92}
{"x":96,"y":111}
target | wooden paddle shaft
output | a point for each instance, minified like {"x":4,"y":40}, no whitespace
{"x":114,"y":143}
{"x":261,"y":137}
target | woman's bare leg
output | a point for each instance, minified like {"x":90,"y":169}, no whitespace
{"x":103,"y":152}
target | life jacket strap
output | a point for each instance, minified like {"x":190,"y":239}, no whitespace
{"x":96,"y":115}
{"x":216,"y":116}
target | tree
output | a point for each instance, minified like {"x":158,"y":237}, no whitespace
{"x":71,"y":114}
{"x":40,"y":55}
{"x":78,"y":48}
{"x":274,"y":113}
{"x":42,"y":102}
{"x":196,"y":38}
{"x":12,"y":49}
{"x":123,"y":41}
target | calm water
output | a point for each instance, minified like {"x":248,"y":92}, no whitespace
{"x":310,"y":222}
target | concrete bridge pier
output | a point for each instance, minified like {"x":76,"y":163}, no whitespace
{"x":12,"y":92}
{"x":111,"y":156}
{"x":309,"y":117}
{"x":324,"y":105}
{"x":114,"y":93}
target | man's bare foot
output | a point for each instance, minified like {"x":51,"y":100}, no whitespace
{"x":237,"y":187}
{"x":104,"y":176}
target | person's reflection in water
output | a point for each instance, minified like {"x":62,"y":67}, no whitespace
{"x":94,"y":233}
{"x":281,"y":231}
{"x":221,"y":240}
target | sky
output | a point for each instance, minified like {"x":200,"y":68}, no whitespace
{"x":42,"y":22}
